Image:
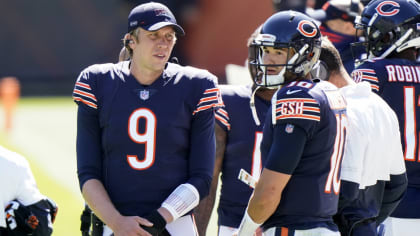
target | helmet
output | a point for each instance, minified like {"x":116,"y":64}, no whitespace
{"x":291,"y":30}
{"x":389,"y":26}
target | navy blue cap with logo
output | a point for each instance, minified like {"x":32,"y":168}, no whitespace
{"x":346,"y":10}
{"x":152,"y":16}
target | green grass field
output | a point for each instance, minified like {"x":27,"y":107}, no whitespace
{"x":44,"y":131}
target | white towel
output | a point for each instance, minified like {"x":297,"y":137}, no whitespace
{"x":373,"y":147}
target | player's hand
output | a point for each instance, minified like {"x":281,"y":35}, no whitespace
{"x":131,"y":226}
{"x":158,"y":221}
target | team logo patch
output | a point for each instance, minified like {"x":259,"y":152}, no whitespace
{"x":392,"y":8}
{"x":144,"y":95}
{"x":161,"y":12}
{"x":289,"y":128}
{"x":307,"y":28}
{"x":297,"y":108}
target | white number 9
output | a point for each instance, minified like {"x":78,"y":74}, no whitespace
{"x":148,"y":138}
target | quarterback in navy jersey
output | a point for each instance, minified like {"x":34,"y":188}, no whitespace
{"x":145,"y":140}
{"x":392,"y":31}
{"x":303,"y":136}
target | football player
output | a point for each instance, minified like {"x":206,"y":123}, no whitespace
{"x":373,"y":178}
{"x":236,"y":148}
{"x":392,"y":32}
{"x":24,"y":209}
{"x":303,"y":135}
{"x":145,"y":133}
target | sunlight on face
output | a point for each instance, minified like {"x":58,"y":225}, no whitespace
{"x":275,"y":56}
{"x":154,"y":48}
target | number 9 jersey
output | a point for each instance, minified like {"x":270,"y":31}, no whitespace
{"x":140,"y":141}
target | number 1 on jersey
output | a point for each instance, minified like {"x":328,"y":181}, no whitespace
{"x":256,"y":156}
{"x":410,"y":128}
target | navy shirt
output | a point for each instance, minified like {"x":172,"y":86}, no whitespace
{"x":310,"y":198}
{"x":242,"y":150}
{"x":397,"y":81}
{"x":140,"y":141}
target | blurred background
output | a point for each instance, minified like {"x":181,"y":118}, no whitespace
{"x":45,"y":44}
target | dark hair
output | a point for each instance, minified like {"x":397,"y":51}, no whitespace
{"x":330,"y":55}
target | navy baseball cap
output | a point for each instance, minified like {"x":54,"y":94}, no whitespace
{"x":152,"y":16}
{"x":346,"y":10}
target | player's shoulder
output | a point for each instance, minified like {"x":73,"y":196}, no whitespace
{"x":103,"y":68}
{"x":228,"y":90}
{"x":305,"y":89}
{"x":190,"y":72}
{"x":321,"y":94}
{"x":106,"y":70}
{"x":374,"y":65}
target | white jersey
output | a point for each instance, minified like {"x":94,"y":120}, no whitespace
{"x":16,"y":182}
{"x":373,"y":149}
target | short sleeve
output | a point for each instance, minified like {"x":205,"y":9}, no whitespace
{"x":366,"y":72}
{"x":211,"y":97}
{"x":299,"y":109}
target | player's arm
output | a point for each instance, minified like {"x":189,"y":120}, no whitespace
{"x":394,"y":192}
{"x":203,"y":211}
{"x":201,"y":164}
{"x":200,"y":159}
{"x":282,"y":158}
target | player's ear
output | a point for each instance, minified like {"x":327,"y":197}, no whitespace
{"x":128,"y":40}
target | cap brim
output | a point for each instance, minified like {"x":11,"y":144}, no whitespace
{"x":319,"y":15}
{"x":178,"y":29}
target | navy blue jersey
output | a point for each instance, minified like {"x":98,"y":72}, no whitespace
{"x":397,"y":81}
{"x":310,"y":197}
{"x":140,"y":141}
{"x":242,"y":150}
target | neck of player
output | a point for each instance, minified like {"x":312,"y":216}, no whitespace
{"x":144,"y":75}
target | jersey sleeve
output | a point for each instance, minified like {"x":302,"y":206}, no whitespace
{"x":203,"y":144}
{"x":84,"y":91}
{"x":211,"y":97}
{"x":367,"y":72}
{"x":88,"y":140}
{"x":299,"y":109}
{"x":222,"y":118}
